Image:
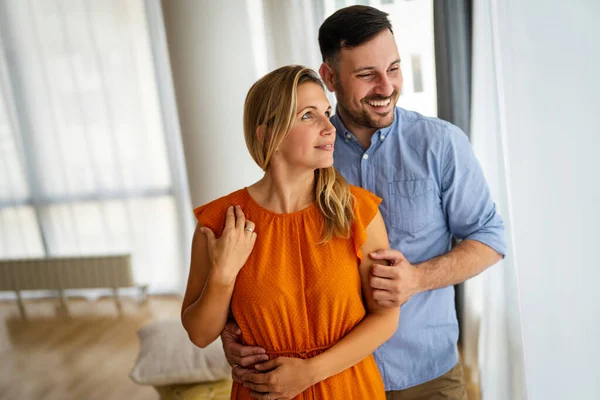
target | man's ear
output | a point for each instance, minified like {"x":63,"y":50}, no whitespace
{"x":328,"y":75}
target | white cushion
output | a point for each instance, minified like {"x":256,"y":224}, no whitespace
{"x":168,"y":357}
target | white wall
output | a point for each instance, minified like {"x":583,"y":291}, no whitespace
{"x":550,"y":59}
{"x":211,"y":56}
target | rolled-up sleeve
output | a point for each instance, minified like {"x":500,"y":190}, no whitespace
{"x":466,"y":198}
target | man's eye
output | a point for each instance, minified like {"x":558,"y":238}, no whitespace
{"x":365,"y":75}
{"x":328,"y":114}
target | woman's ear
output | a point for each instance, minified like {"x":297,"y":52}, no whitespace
{"x":260,"y":133}
{"x":328,"y":75}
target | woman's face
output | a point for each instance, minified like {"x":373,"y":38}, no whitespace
{"x":310,"y":142}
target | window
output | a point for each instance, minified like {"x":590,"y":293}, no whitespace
{"x":84,"y":161}
{"x":417,"y":73}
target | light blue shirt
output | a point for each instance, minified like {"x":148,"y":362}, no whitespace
{"x":432,"y":188}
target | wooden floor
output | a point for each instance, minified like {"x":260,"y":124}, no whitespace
{"x":85,"y":354}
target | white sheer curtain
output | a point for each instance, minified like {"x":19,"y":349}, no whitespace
{"x":285,"y":32}
{"x":492,"y":326}
{"x":88,"y":147}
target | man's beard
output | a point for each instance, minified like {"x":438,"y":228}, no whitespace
{"x":362,"y":117}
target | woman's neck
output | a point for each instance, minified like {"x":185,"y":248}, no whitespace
{"x":284,"y":193}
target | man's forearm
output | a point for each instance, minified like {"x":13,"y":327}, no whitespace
{"x":464,"y":261}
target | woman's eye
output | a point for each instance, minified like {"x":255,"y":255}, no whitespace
{"x":307,"y":115}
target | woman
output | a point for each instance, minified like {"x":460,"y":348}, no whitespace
{"x":290,"y":266}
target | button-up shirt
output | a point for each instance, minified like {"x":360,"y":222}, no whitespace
{"x":432,"y":188}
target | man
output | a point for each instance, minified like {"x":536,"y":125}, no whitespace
{"x":432,"y":188}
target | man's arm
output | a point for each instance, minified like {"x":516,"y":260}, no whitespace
{"x":464,"y":261}
{"x":238,"y":355}
{"x":471,"y":216}
{"x":394,"y":285}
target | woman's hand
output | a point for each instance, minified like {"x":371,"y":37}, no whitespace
{"x":228,"y":254}
{"x":280,"y":379}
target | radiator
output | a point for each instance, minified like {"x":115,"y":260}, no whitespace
{"x":60,"y":273}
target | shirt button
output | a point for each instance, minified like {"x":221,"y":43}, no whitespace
{"x":365,"y":156}
{"x":382,"y":137}
{"x":348,"y":135}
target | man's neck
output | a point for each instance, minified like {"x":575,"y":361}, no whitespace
{"x":362,"y":133}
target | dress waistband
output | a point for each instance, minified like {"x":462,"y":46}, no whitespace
{"x":305,"y":354}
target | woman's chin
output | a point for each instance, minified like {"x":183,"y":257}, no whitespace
{"x":327,"y":163}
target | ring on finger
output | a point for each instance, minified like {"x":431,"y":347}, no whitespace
{"x":249,"y":226}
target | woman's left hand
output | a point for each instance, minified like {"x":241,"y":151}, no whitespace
{"x":282,"y":378}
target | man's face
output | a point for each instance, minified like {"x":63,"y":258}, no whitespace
{"x":367,"y":82}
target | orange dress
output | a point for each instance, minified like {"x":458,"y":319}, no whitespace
{"x":296,"y":298}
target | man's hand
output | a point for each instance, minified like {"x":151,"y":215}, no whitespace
{"x":280,"y":379}
{"x":238,"y":355}
{"x":393,"y":284}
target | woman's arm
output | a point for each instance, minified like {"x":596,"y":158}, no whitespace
{"x":290,"y":376}
{"x":214,"y":266}
{"x":376,"y":328}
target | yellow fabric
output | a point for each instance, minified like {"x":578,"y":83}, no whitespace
{"x":220,"y":390}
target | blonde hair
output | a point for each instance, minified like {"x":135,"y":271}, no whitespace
{"x":271,"y":104}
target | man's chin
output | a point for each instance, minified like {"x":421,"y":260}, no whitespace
{"x":382,"y":120}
